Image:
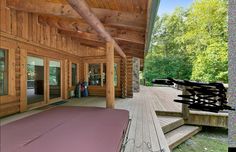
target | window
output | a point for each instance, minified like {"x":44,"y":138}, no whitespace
{"x":3,"y":72}
{"x":74,"y":74}
{"x":94,"y":75}
{"x":54,"y":79}
{"x":115,"y":74}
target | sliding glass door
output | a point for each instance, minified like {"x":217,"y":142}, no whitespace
{"x":35,"y":80}
{"x":54,"y":79}
{"x":43,"y":81}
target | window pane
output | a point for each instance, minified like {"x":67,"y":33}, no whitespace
{"x":3,"y":73}
{"x":115,"y":74}
{"x":104,"y":73}
{"x":94,"y":74}
{"x":54,"y":79}
{"x":74,"y":74}
{"x":35,"y":80}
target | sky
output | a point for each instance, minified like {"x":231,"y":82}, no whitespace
{"x":168,"y":6}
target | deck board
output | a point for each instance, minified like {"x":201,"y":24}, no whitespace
{"x":145,"y":130}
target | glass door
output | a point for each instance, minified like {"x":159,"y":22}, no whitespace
{"x":54,"y":80}
{"x":35,"y":80}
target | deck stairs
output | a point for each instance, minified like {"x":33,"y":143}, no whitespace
{"x":176,"y":132}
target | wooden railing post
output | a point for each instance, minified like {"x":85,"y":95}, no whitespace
{"x":185,"y":109}
{"x":110,"y":89}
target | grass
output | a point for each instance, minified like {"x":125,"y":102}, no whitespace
{"x":208,"y":140}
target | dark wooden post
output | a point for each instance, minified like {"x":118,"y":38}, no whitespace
{"x":110,"y":89}
{"x":185,"y":109}
{"x":232,"y":75}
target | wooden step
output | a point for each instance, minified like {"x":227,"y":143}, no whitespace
{"x":169,"y":123}
{"x":181,"y":134}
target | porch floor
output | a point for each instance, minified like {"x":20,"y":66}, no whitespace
{"x":145,"y":133}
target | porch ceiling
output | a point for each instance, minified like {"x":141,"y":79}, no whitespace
{"x":125,"y":20}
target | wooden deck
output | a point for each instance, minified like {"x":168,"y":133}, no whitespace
{"x":145,"y":131}
{"x":147,"y":128}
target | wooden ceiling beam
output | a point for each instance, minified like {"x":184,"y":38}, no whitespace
{"x":71,"y":25}
{"x":83,"y":35}
{"x":80,"y":24}
{"x":82,"y":8}
{"x":106,"y":16}
{"x":99,"y":40}
{"x":134,"y":53}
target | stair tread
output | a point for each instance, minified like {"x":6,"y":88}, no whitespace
{"x":166,"y":120}
{"x":181,"y":134}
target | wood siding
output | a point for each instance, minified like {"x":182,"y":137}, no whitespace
{"x":21,"y":34}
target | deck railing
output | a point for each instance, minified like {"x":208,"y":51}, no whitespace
{"x":210,"y":97}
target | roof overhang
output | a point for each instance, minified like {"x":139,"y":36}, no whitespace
{"x":153,"y":8}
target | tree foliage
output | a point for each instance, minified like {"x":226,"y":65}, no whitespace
{"x":190,"y":44}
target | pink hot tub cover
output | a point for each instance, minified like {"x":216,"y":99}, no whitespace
{"x":66,"y":129}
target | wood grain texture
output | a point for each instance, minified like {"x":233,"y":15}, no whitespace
{"x":110,"y":88}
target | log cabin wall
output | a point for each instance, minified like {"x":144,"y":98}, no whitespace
{"x":56,"y":32}
{"x":129,"y":76}
{"x":20,"y":35}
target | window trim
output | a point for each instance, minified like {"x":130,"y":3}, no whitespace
{"x":11,"y":89}
{"x":71,"y":72}
{"x":30,"y":106}
{"x":100,"y":73}
{"x":101,"y":62}
{"x":49,"y":101}
{"x":5,"y":72}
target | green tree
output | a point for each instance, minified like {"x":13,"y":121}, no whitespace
{"x":168,"y":57}
{"x":190,"y":44}
{"x":211,"y":65}
{"x":206,"y":40}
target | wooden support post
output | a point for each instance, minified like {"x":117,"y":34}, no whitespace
{"x":185,"y":109}
{"x":110,"y":89}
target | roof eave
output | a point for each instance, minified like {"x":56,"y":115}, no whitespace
{"x":154,"y":5}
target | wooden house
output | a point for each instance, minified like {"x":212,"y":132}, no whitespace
{"x":48,"y":46}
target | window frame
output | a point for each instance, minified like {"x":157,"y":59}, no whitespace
{"x":117,"y":73}
{"x":76,"y":72}
{"x":99,"y":73}
{"x":11,"y":77}
{"x":101,"y":62}
{"x":44,"y":101}
{"x":5,"y":73}
{"x":52,"y":100}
